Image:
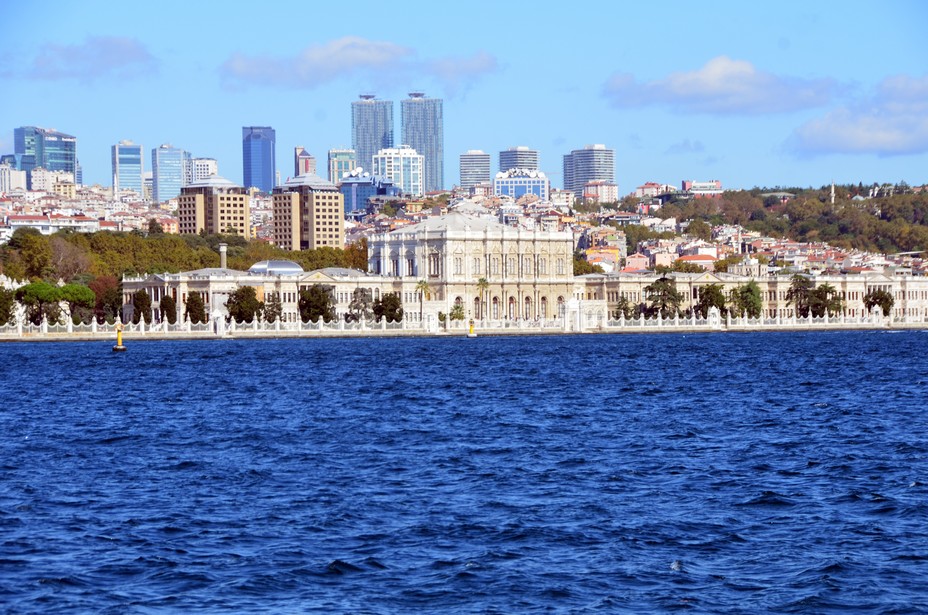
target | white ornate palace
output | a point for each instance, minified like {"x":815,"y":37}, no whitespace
{"x":500,"y":273}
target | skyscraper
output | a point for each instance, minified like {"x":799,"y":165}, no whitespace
{"x":403,"y":165}
{"x":304,"y":163}
{"x":341,"y":161}
{"x":128,"y":166}
{"x":258,"y":157}
{"x":423,"y":130}
{"x":167,"y":170}
{"x":475,"y":168}
{"x":519,"y":157}
{"x":41,"y":147}
{"x":592,"y":163}
{"x":371,"y":128}
{"x":309,"y":213}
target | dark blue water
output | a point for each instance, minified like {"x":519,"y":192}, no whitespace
{"x":774,"y":472}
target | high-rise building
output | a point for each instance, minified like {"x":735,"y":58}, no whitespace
{"x":517,"y":183}
{"x":519,"y":157}
{"x":475,"y":168}
{"x":592,"y":163}
{"x":258,"y":157}
{"x":167,"y":171}
{"x":371,"y":128}
{"x":198,"y":169}
{"x":42,"y":147}
{"x":404,"y":166}
{"x":11,"y":178}
{"x":309,"y":213}
{"x":341,"y":161}
{"x":128,"y":166}
{"x":423,"y":130}
{"x":214,"y":205}
{"x":304,"y":163}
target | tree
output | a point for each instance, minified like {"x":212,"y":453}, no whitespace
{"x":583,"y":266}
{"x":425,"y":292}
{"x":825,"y":299}
{"x":457,"y":311}
{"x":168,"y":309}
{"x":664,"y":297}
{"x":626,"y":308}
{"x":67,"y":260}
{"x":317,"y":302}
{"x":798,"y":294}
{"x":711,"y":295}
{"x":108,"y":297}
{"x":746,"y":299}
{"x":356,"y":255}
{"x":700,"y":229}
{"x":273,"y":309}
{"x":41,"y":299}
{"x":154,"y":227}
{"x":243,"y":304}
{"x":36,"y":254}
{"x":483,"y":285}
{"x":141,"y":307}
{"x":686,"y":267}
{"x":389,"y":307}
{"x":880,"y":297}
{"x":81,"y":301}
{"x":7,"y":306}
{"x":196,"y":310}
{"x":361,"y":305}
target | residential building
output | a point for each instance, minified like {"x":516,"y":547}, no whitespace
{"x":358,"y":188}
{"x":517,"y":183}
{"x":404,"y":166}
{"x":341,"y":162}
{"x":128,"y":164}
{"x":600,"y":191}
{"x":258,"y":157}
{"x":44,"y":180}
{"x":47,"y":148}
{"x":519,"y":157}
{"x":304,"y":163}
{"x":309,"y":213}
{"x":214,"y":205}
{"x":423,"y":130}
{"x":11,"y":179}
{"x":371,"y":129}
{"x":592,"y":163}
{"x":167,"y":171}
{"x":475,"y":168}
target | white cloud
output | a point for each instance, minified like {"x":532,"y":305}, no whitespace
{"x":893,"y":121}
{"x":686,"y":146}
{"x":352,"y":56}
{"x":96,"y":58}
{"x":721,"y":86}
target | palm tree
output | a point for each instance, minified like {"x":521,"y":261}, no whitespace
{"x":424,"y":290}
{"x":483,"y":285}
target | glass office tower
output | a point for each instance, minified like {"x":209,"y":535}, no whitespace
{"x":258,"y":157}
{"x":371,"y":128}
{"x":49,"y":149}
{"x":167,"y":170}
{"x":128,"y":167}
{"x":423,"y":130}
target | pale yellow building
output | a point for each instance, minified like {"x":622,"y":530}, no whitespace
{"x":214,"y":205}
{"x":309,"y":213}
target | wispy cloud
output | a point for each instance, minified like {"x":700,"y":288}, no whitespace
{"x":721,"y":86}
{"x":98,"y":57}
{"x":686,"y":146}
{"x":352,"y":57}
{"x":892,"y":121}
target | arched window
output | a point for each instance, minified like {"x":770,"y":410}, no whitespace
{"x":528,"y":308}
{"x":495,"y":308}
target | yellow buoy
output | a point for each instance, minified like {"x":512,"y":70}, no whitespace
{"x":119,"y":347}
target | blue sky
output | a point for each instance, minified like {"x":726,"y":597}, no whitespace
{"x":787,"y":93}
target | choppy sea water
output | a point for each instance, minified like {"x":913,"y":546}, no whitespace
{"x":768,"y":472}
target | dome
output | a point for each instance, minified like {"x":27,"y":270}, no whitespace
{"x":275,"y":268}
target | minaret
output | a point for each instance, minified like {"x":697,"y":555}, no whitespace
{"x":832,"y":192}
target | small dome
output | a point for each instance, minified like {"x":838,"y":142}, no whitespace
{"x":276,"y":268}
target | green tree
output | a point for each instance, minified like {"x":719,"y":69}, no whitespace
{"x":583,"y":266}
{"x":626,"y":308}
{"x":141,"y":307}
{"x":356,"y":255}
{"x":798,"y":294}
{"x":7,"y":306}
{"x":664,"y":298}
{"x":457,"y":311}
{"x":36,"y":254}
{"x":389,"y":307}
{"x":317,"y":302}
{"x":425,"y":292}
{"x":483,"y":285}
{"x":243,"y":304}
{"x":273,"y":308}
{"x":168,"y":308}
{"x":710,"y":295}
{"x":746,"y":299}
{"x":361,"y":305}
{"x":195,"y":310}
{"x":700,"y":229}
{"x":825,"y":299}
{"x":880,"y":297}
{"x":81,"y":301}
{"x":154,"y":227}
{"x":40,"y":299}
{"x":686,"y":267}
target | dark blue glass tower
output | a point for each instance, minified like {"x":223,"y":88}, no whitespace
{"x":258,"y":162}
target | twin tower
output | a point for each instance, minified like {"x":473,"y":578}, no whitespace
{"x":422,"y":122}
